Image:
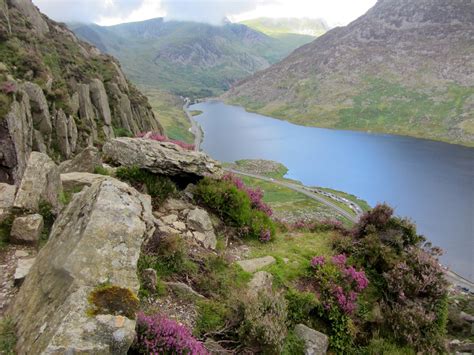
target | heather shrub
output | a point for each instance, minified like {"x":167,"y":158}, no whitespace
{"x":409,"y":283}
{"x":159,"y":335}
{"x":384,"y":347}
{"x":212,"y":317}
{"x":264,"y":324}
{"x":158,"y":187}
{"x":235,"y":208}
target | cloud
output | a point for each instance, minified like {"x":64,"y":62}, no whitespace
{"x":211,"y":11}
{"x":87,"y":10}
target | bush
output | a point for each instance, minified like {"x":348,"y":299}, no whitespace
{"x":264,"y":324}
{"x":409,"y":283}
{"x":167,"y":254}
{"x":384,"y":347}
{"x":293,"y":345}
{"x":46,"y":210}
{"x":122,"y":132}
{"x":302,"y":306}
{"x":234,"y":207}
{"x":5,"y":229}
{"x":212,"y":316}
{"x":101,"y":170}
{"x":160,"y":335}
{"x":158,"y":187}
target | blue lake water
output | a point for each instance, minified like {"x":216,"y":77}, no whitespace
{"x":430,"y":182}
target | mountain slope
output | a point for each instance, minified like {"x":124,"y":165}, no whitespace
{"x":58,"y":94}
{"x":188,"y":58}
{"x":405,"y":67}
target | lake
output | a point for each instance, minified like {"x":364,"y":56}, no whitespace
{"x":430,"y":182}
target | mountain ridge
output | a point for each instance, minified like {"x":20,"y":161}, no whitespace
{"x":403,"y":68}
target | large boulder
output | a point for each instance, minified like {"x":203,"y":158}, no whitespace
{"x":27,"y":229}
{"x":16,"y":140}
{"x":73,"y":181}
{"x":199,"y":221}
{"x":40,"y":182}
{"x":160,"y":158}
{"x":31,"y":12}
{"x":316,"y":343}
{"x":7,"y":197}
{"x":39,"y":108}
{"x":86,"y":161}
{"x":95,"y":240}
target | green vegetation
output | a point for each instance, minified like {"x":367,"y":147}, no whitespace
{"x":46,"y":210}
{"x":7,"y":336}
{"x":158,"y":187}
{"x":122,"y":132}
{"x":174,"y":56}
{"x":112,"y":299}
{"x":168,"y":108}
{"x":196,"y":112}
{"x":234,"y":206}
{"x":101,"y":170}
{"x":5,"y":229}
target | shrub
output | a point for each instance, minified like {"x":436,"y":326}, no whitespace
{"x":255,"y":195}
{"x":302,"y":306}
{"x":7,"y":336}
{"x":234,"y":207}
{"x":211,"y":317}
{"x":158,"y":187}
{"x":111,"y":299}
{"x":159,"y":335}
{"x":167,"y":254}
{"x":293,"y":345}
{"x":122,"y":132}
{"x":101,"y":170}
{"x":46,"y":210}
{"x":410,"y":285}
{"x":263,"y":327}
{"x":384,"y":347}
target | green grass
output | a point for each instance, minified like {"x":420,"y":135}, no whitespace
{"x":196,"y":112}
{"x":298,"y":248}
{"x":286,"y":201}
{"x":7,"y":337}
{"x":169,"y":110}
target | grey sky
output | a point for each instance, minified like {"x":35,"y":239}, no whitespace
{"x":116,"y":11}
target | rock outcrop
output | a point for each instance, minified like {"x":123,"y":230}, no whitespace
{"x":86,"y":161}
{"x":316,"y":343}
{"x":27,"y":229}
{"x":72,"y":181}
{"x":95,"y":240}
{"x":7,"y":197}
{"x":160,"y":158}
{"x":16,"y":140}
{"x":59,"y":106}
{"x":40,"y":182}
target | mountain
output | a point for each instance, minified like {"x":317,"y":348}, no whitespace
{"x":405,"y":67}
{"x":281,"y":27}
{"x":188,"y":58}
{"x":58,"y":94}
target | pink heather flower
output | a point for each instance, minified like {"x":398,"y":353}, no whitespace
{"x":8,"y":87}
{"x":255,"y":195}
{"x":317,"y":261}
{"x":339,"y":260}
{"x":265,"y":235}
{"x":358,"y":277}
{"x":160,"y":335}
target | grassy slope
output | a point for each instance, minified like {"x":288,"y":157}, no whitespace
{"x":379,"y":105}
{"x":169,"y":110}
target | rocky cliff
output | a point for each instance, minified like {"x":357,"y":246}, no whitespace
{"x":405,"y":67}
{"x":57,"y":93}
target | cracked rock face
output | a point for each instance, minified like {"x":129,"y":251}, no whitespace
{"x":96,"y":239}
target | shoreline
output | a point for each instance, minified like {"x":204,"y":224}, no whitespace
{"x":195,"y":129}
